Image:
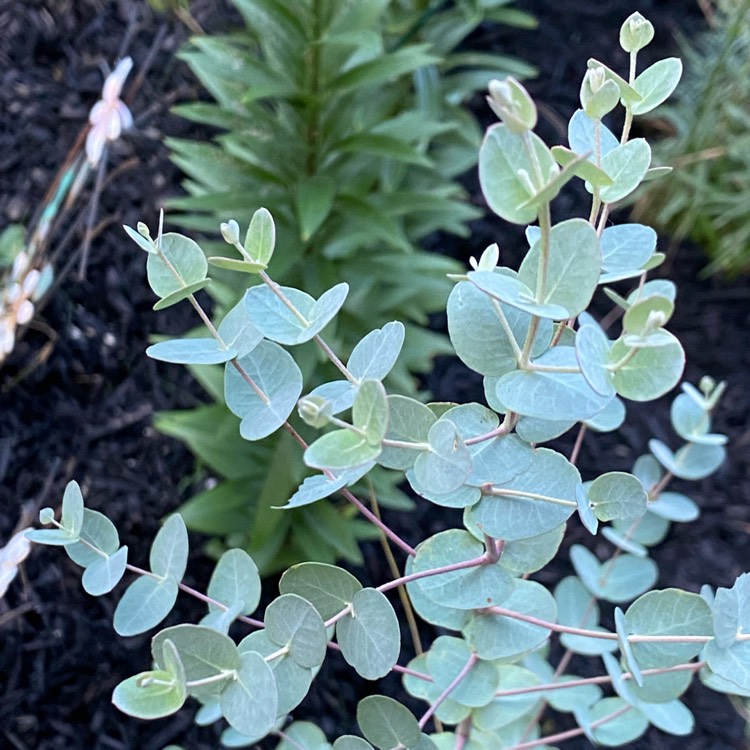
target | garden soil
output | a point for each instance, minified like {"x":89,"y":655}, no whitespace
{"x":78,"y":394}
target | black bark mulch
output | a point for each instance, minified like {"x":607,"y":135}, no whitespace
{"x":83,"y":409}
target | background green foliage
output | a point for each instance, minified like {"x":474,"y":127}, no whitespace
{"x":346,"y":120}
{"x":705,"y":197}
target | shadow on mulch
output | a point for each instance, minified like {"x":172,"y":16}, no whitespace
{"x":84,"y":412}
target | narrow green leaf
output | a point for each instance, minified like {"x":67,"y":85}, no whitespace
{"x":235,"y":264}
{"x":314,"y":198}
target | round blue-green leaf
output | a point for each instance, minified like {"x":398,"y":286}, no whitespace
{"x":498,"y":460}
{"x":187,"y":265}
{"x":576,"y":608}
{"x":235,"y":580}
{"x":495,"y":636}
{"x":468,"y":588}
{"x":558,"y":396}
{"x":409,"y":422}
{"x":524,"y":556}
{"x":447,"y":464}
{"x":502,"y":155}
{"x":294,"y":622}
{"x":169,"y":551}
{"x":341,"y":449}
{"x":370,"y":637}
{"x":437,"y":613}
{"x":625,"y":728}
{"x":507,"y":287}
{"x":376,"y":354}
{"x":627,"y":166}
{"x":610,"y":418}
{"x":582,"y":138}
{"x":250,"y":702}
{"x":624,"y":540}
{"x":649,"y":531}
{"x":619,"y":580}
{"x":592,"y":352}
{"x":692,"y":421}
{"x":651,"y":372}
{"x":303,"y":735}
{"x":571,"y":699}
{"x":668,"y":612}
{"x":446,"y":659}
{"x":625,"y":250}
{"x":461,"y":497}
{"x":536,"y":501}
{"x":673,"y":506}
{"x":149,"y":700}
{"x":617,"y":494}
{"x":191,"y":352}
{"x":98,"y":531}
{"x":503,"y":710}
{"x":328,"y":588}
{"x":572,"y":269}
{"x":203,"y":652}
{"x":292,"y":681}
{"x":656,"y":83}
{"x":673,"y":717}
{"x":145,"y":603}
{"x":692,"y":461}
{"x":105,"y":573}
{"x":478,"y":335}
{"x":237,"y":332}
{"x":387,"y":724}
{"x":351,"y":742}
{"x":275,"y":373}
{"x":271,"y":316}
{"x":638,"y":317}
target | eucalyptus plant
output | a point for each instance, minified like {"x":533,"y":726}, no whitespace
{"x":547,"y":366}
{"x":346,"y":120}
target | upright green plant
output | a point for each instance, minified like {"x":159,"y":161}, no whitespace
{"x":705,"y":197}
{"x":344,"y":119}
{"x":490,"y":681}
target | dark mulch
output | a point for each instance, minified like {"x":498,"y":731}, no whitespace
{"x":84,"y":411}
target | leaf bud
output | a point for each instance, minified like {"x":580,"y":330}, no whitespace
{"x":230,"y":231}
{"x":512,"y":104}
{"x":599,"y":95}
{"x":46,"y":515}
{"x":635,"y":33}
{"x":314,"y":410}
{"x":143,"y":230}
